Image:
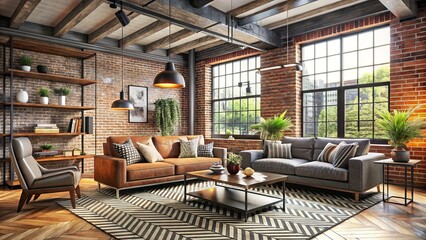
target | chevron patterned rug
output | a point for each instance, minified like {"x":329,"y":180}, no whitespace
{"x":158,"y":213}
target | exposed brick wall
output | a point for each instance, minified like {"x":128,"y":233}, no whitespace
{"x":108,"y":122}
{"x":236,"y":145}
{"x":281,"y":89}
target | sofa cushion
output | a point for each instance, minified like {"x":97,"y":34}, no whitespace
{"x":266,"y":144}
{"x":322,"y":170}
{"x":363,"y":145}
{"x":326,"y":154}
{"x":188,"y":149}
{"x":149,"y":152}
{"x":302,"y":148}
{"x":183,"y":165}
{"x":343,"y":153}
{"x":277,"y":165}
{"x":278,"y":150}
{"x":121,"y":139}
{"x":127,"y":151}
{"x":141,"y":171}
{"x":205,"y":150}
{"x":168,"y":146}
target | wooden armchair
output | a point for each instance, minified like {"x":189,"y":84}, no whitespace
{"x":35,"y":179}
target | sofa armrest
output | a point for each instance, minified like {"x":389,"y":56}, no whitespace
{"x":220,"y":153}
{"x":250,"y":156}
{"x":364,"y":173}
{"x":110,"y":171}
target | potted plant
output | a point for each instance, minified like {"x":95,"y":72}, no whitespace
{"x":62,"y":93}
{"x":272,"y":128}
{"x":400,"y":128}
{"x":167,"y":114}
{"x":233,"y":163}
{"x":44,"y":95}
{"x":25,"y":62}
{"x":46,"y":147}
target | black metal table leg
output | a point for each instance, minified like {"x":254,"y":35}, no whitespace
{"x":387,"y":181}
{"x":405,"y":186}
{"x":383,"y":184}
{"x":283,"y":186}
{"x":184,"y":189}
{"x":412,"y":184}
{"x":245,"y":205}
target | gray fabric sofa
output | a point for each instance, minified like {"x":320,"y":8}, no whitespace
{"x":361,"y":175}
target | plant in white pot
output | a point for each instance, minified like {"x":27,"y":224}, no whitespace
{"x":62,"y":93}
{"x":44,"y":95}
{"x":25,"y":62}
{"x":400,"y":128}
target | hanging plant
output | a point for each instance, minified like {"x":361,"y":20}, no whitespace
{"x":167,"y":114}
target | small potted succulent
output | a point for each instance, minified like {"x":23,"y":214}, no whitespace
{"x":233,"y":163}
{"x":62,"y":93}
{"x":46,"y":147}
{"x":44,"y":95}
{"x":25,"y":62}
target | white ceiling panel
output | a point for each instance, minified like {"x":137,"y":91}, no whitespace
{"x":188,"y":39}
{"x":264,"y":6}
{"x":227,"y":5}
{"x":51,"y":12}
{"x":7,"y":7}
{"x":134,"y":25}
{"x":96,"y":19}
{"x":160,"y":34}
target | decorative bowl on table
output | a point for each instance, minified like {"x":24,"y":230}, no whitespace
{"x":217,"y":168}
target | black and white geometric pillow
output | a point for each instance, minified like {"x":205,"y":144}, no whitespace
{"x":127,"y":151}
{"x":205,"y":150}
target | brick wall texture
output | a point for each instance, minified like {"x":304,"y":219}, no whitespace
{"x":281,"y":89}
{"x":107,"y":122}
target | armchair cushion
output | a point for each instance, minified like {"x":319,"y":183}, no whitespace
{"x":57,"y":179}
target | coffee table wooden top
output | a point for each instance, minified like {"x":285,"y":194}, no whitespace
{"x":240,"y":180}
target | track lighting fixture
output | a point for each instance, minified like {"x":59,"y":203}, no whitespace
{"x":120,"y":14}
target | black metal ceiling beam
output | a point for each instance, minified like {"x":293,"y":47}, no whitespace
{"x":361,"y":10}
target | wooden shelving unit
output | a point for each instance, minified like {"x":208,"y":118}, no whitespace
{"x":49,"y":77}
{"x":8,"y":72}
{"x":37,"y":105}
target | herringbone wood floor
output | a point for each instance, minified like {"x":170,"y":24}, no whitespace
{"x":44,"y":219}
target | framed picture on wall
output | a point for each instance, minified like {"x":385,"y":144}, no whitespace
{"x":139,"y":97}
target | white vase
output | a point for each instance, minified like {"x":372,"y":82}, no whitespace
{"x":26,"y":68}
{"x":22,"y":96}
{"x":44,"y":100}
{"x":61,"y":100}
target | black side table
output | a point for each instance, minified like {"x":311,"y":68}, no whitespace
{"x":389,"y":162}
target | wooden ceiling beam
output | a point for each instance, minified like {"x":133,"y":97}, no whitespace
{"x":213,"y":44}
{"x":108,"y":28}
{"x":402,"y":9}
{"x":248,"y":7}
{"x":144,"y":32}
{"x":81,"y":11}
{"x":22,"y":12}
{"x":273,"y":10}
{"x":309,"y":14}
{"x":163,"y":42}
{"x":193,"y":45}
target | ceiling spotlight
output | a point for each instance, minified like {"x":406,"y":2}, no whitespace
{"x":122,"y":17}
{"x":113,"y":5}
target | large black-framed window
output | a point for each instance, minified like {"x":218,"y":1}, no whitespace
{"x":345,"y":84}
{"x":235,"y":97}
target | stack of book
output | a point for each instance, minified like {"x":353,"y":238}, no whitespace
{"x":75,"y":125}
{"x":46,"y":128}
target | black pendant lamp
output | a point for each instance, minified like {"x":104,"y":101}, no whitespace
{"x":122,"y":104}
{"x":169,"y":78}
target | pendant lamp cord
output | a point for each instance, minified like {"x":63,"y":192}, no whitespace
{"x":286,"y":19}
{"x":122,"y":54}
{"x":170,"y":27}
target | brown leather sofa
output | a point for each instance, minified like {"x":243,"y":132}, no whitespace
{"x":113,"y":171}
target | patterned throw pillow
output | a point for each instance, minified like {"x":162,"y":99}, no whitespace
{"x":278,"y":150}
{"x":128,"y":152}
{"x":343,"y":153}
{"x":205,"y":150}
{"x":327,"y":153}
{"x":149,"y":152}
{"x":266,"y":144}
{"x":188,"y":149}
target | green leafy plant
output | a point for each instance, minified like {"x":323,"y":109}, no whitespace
{"x":62,"y":91}
{"x":400,"y":127}
{"x":25,"y":60}
{"x":47,"y":147}
{"x":167,"y":114}
{"x":44,"y":92}
{"x":234,"y":159}
{"x":228,"y":132}
{"x":272,"y":128}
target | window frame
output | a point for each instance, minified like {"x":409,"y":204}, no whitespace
{"x":254,"y":96}
{"x":341,"y":89}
